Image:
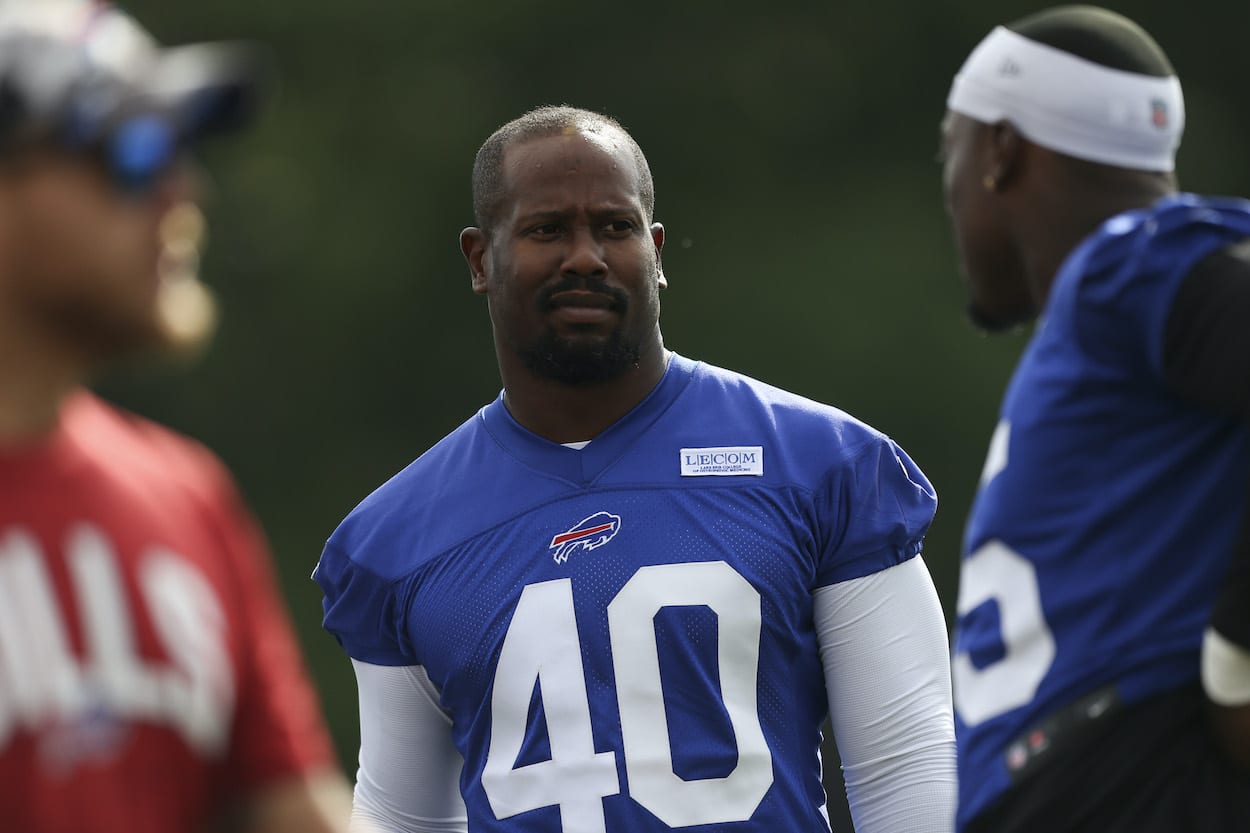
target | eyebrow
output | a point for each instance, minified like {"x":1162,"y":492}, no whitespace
{"x":533,"y":216}
{"x":595,"y":212}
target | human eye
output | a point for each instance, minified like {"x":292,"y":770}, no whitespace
{"x":620,"y":227}
{"x":543,"y":231}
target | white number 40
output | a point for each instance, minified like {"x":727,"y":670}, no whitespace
{"x":542,"y":644}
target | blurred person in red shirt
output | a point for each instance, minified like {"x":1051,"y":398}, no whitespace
{"x":150,"y":681}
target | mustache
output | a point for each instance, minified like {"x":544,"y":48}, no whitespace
{"x":585,"y":284}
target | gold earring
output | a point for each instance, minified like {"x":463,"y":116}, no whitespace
{"x":990,"y":183}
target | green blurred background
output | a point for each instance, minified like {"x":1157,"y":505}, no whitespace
{"x":792,"y":145}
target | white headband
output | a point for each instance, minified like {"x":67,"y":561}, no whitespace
{"x":1071,"y":105}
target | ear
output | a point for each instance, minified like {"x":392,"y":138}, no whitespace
{"x":1006,"y":154}
{"x":473,"y":245}
{"x":657,"y":239}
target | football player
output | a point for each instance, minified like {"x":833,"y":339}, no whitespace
{"x":1109,"y":515}
{"x":624,"y":596}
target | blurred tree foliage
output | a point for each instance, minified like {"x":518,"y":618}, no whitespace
{"x":792,"y":145}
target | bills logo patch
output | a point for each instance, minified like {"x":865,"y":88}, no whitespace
{"x":589,"y":534}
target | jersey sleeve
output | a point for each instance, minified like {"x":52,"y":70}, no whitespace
{"x":1122,"y":293}
{"x":1207,"y":362}
{"x":874,"y":512}
{"x":361,"y":609}
{"x":279,"y":730}
{"x":1231,"y":615}
{"x":1206,"y":348}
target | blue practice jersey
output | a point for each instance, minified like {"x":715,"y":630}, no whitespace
{"x":623,"y":635}
{"x":1108,"y":506}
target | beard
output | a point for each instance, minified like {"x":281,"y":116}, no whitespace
{"x":105,"y":314}
{"x":569,"y":362}
{"x":576,"y":361}
{"x":178,"y":326}
{"x":990,"y":324}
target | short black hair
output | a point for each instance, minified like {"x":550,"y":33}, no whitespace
{"x":1098,"y":35}
{"x":538,"y":123}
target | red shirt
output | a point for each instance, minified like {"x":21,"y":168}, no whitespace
{"x":148,"y":671}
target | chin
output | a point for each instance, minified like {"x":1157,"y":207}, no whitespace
{"x":178,"y":324}
{"x":993,"y":322}
{"x":580,"y":361}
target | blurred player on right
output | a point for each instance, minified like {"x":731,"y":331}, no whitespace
{"x":1102,"y":651}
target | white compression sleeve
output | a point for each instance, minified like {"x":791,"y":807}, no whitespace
{"x":409,"y":775}
{"x":886,"y":657}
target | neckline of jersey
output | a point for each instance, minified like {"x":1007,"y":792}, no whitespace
{"x":583,"y":466}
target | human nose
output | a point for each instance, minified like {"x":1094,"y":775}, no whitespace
{"x":584,"y":256}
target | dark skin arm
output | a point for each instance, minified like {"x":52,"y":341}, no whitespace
{"x":1232,"y":729}
{"x":318,"y":802}
{"x":1207,"y":361}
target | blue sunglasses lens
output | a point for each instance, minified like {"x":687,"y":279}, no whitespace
{"x":140,"y":149}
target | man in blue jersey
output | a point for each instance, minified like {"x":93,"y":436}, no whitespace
{"x":624,"y":596}
{"x":1107,"y":536}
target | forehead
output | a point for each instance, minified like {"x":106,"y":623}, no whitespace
{"x":572,"y":166}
